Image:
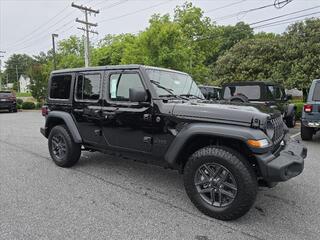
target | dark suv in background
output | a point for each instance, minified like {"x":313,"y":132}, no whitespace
{"x":211,"y":92}
{"x":265,"y":93}
{"x":8,"y":101}
{"x":159,"y":116}
{"x":310,"y":121}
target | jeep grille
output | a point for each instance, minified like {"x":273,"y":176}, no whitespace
{"x":278,"y":125}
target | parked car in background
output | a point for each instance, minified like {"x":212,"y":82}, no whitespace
{"x":8,"y":101}
{"x":310,"y":121}
{"x":211,"y":92}
{"x":160,"y":116}
{"x":262,"y":92}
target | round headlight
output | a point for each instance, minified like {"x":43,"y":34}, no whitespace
{"x":270,"y":130}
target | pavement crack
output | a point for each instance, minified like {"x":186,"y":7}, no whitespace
{"x":167,"y":203}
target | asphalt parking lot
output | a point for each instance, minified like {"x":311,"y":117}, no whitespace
{"x":104,"y":197}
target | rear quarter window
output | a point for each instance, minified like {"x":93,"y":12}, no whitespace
{"x":316,"y":92}
{"x":252,"y":92}
{"x":60,"y":86}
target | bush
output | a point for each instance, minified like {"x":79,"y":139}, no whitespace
{"x":19,"y":101}
{"x":299,"y":106}
{"x":38,"y":105}
{"x":28,"y":105}
{"x":19,"y":106}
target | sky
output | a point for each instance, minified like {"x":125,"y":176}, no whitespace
{"x":26,"y":25}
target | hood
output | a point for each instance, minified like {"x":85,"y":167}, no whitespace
{"x":223,"y":113}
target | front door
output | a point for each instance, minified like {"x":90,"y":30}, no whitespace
{"x":87,"y":106}
{"x":126,"y":126}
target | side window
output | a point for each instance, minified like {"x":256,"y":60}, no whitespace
{"x":120,"y":83}
{"x":88,"y":87}
{"x":316,"y":93}
{"x":60,"y":86}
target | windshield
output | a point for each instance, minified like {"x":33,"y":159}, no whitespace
{"x":177,"y":83}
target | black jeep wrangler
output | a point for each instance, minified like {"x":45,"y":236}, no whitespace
{"x":259,"y":92}
{"x":223,"y":150}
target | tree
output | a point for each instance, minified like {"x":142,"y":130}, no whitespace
{"x":303,"y":53}
{"x":260,"y":58}
{"x":39,"y":74}
{"x":16,"y":65}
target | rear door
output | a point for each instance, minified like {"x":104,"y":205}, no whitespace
{"x":87,"y":106}
{"x":314,"y":100}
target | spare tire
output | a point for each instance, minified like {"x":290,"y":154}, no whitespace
{"x":239,"y":98}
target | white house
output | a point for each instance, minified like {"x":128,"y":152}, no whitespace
{"x":24,"y":82}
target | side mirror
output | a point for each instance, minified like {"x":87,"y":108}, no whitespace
{"x":137,"y":95}
{"x":289,"y":97}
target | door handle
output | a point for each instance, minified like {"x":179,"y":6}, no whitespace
{"x":77,"y":110}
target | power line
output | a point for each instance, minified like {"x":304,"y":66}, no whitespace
{"x":114,"y":4}
{"x":246,"y":11}
{"x":134,"y":12}
{"x":225,"y":6}
{"x":292,"y":18}
{"x":37,"y":29}
{"x":284,"y":15}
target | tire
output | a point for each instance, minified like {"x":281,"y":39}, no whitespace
{"x":244,"y":180}
{"x":306,"y":133}
{"x":291,"y":120}
{"x":63,"y":150}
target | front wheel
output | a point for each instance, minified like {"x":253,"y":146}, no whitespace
{"x":63,"y":150}
{"x":220,"y":183}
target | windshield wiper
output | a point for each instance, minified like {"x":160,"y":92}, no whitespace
{"x":191,"y":95}
{"x":169,"y":90}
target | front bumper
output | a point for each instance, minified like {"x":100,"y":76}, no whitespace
{"x":7,"y":105}
{"x":286,"y":163}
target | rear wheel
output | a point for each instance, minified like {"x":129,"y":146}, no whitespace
{"x":291,"y":120}
{"x":220,"y":183}
{"x":63,"y":150}
{"x":306,"y":132}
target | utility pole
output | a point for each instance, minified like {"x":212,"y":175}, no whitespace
{"x":18,"y":83}
{"x":1,"y":56}
{"x":87,"y":30}
{"x":54,"y":50}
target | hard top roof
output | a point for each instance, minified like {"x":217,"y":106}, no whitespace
{"x":244,"y":83}
{"x":113,"y":67}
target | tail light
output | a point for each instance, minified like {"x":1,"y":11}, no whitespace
{"x":307,"y":108}
{"x":44,"y":110}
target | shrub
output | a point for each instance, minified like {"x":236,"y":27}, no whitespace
{"x":299,"y":106}
{"x":19,"y":101}
{"x":28,"y":105}
{"x":38,"y":105}
{"x":19,"y":106}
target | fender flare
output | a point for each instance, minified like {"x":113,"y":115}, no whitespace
{"x":213,"y":130}
{"x":290,"y":109}
{"x":69,"y":122}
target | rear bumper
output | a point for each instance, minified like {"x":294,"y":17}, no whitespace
{"x":311,"y":123}
{"x":287,"y":163}
{"x":7,"y":105}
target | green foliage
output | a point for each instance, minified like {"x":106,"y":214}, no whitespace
{"x":17,"y":63}
{"x":19,"y":94}
{"x":28,"y":105}
{"x":19,"y":101}
{"x":191,"y":42}
{"x":38,"y":105}
{"x":39,"y":74}
{"x":299,"y":106}
{"x":19,"y":106}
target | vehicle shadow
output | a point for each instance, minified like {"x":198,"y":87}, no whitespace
{"x":166,"y":187}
